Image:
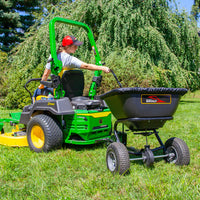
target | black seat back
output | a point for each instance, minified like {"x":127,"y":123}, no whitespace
{"x":73,"y":83}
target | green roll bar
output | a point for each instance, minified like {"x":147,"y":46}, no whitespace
{"x":56,"y":65}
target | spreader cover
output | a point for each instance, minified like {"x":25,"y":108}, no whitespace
{"x":143,"y":102}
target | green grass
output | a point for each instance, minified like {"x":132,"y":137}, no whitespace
{"x":76,"y":172}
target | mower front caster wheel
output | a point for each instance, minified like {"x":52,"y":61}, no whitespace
{"x":178,"y":151}
{"x":44,"y":133}
{"x":117,"y":158}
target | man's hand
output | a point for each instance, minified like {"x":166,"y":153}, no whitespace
{"x":106,"y":69}
{"x":41,"y":86}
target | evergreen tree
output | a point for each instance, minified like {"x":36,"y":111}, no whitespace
{"x":195,"y":9}
{"x":15,"y":18}
{"x":3,"y":70}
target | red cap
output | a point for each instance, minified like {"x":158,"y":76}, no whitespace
{"x":69,"y":40}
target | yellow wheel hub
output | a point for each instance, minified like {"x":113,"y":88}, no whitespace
{"x":37,"y":136}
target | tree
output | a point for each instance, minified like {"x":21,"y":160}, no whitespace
{"x":3,"y":70}
{"x":195,"y":9}
{"x":15,"y":18}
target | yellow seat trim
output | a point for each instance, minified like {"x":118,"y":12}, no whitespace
{"x":63,"y":70}
{"x":40,"y":97}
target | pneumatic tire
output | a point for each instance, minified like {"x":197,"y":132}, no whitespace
{"x":44,"y":133}
{"x":117,"y":158}
{"x":2,"y":131}
{"x":178,"y":151}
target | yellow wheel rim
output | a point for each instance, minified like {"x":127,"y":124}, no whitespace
{"x":37,"y":136}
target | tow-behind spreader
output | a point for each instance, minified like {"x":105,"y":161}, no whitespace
{"x":143,"y":111}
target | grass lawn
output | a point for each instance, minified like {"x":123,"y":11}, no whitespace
{"x":76,"y":172}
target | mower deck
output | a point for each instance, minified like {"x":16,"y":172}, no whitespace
{"x":9,"y":139}
{"x":15,"y":138}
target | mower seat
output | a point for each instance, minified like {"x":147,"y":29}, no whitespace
{"x":73,"y":84}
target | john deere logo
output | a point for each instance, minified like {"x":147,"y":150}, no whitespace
{"x":156,"y":99}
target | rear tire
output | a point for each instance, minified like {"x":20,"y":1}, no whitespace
{"x":44,"y":133}
{"x":179,"y":151}
{"x":117,"y":158}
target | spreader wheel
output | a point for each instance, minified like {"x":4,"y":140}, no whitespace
{"x":148,"y":157}
{"x":44,"y":133}
{"x":178,"y":151}
{"x":117,"y":158}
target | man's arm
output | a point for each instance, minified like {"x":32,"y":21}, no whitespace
{"x":45,"y":77}
{"x":94,"y":67}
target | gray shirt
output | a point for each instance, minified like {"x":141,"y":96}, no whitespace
{"x":67,"y":61}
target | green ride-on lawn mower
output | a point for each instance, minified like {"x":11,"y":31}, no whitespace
{"x":60,"y":114}
{"x":66,"y":116}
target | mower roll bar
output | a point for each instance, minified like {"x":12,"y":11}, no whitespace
{"x":56,"y":65}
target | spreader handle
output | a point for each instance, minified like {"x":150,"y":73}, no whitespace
{"x":120,"y":85}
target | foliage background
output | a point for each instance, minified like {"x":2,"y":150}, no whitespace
{"x":144,"y":42}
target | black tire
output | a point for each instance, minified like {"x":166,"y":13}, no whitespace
{"x":44,"y":133}
{"x":117,"y":158}
{"x":179,"y":150}
{"x":2,"y":131}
